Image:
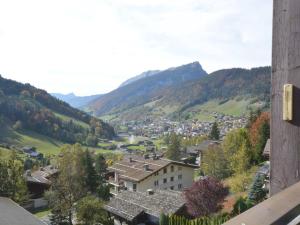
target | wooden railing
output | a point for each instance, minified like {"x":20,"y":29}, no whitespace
{"x":281,"y":209}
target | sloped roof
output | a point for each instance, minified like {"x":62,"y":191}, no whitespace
{"x":129,"y":204}
{"x":13,"y":214}
{"x":132,"y":168}
{"x":41,"y":176}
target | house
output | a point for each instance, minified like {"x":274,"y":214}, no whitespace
{"x":138,"y":173}
{"x":13,"y":214}
{"x":144,"y":207}
{"x":198,"y":150}
{"x":38,"y":182}
{"x":31,"y":152}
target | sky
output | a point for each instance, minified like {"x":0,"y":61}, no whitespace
{"x":91,"y":46}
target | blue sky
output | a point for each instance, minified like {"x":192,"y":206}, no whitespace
{"x":91,"y":46}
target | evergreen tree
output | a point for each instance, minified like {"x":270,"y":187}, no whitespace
{"x":214,"y":133}
{"x":101,"y":169}
{"x":91,"y":176}
{"x":257,"y":193}
{"x":163,"y":219}
{"x":173,"y":151}
{"x":240,"y":206}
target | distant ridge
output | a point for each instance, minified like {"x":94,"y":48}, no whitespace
{"x":76,"y":101}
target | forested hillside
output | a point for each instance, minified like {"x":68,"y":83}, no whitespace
{"x":150,"y":96}
{"x":143,"y":90}
{"x":24,"y":107}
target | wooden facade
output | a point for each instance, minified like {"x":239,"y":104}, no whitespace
{"x":285,"y":135}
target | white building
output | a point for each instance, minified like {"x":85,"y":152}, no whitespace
{"x":142,"y":173}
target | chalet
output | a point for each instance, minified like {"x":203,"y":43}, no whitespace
{"x":13,"y":214}
{"x":38,"y":182}
{"x":144,"y":207}
{"x":137,"y":173}
{"x":198,"y":150}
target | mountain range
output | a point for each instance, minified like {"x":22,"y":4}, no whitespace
{"x":186,"y":90}
{"x":76,"y":101}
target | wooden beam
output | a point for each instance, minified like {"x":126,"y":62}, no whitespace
{"x":285,"y":135}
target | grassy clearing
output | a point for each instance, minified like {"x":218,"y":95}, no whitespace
{"x":42,"y":213}
{"x":67,"y":119}
{"x":44,"y":144}
{"x":137,"y":148}
{"x":231,"y":107}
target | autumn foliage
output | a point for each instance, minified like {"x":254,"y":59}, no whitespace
{"x":205,"y":197}
{"x":255,"y":128}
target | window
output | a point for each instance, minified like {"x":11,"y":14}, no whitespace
{"x":179,"y":168}
{"x":165,"y":170}
{"x":179,"y":186}
{"x":156,"y":173}
{"x":172,"y":179}
{"x":172,"y":168}
{"x":180,"y":177}
{"x":134,"y":187}
{"x":165,"y":180}
{"x":172,"y":187}
{"x":156,"y":183}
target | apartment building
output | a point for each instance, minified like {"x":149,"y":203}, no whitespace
{"x":136,"y":173}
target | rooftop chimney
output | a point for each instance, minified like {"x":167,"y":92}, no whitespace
{"x":150,"y":192}
{"x":146,"y":167}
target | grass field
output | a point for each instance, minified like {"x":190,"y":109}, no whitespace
{"x":42,"y":213}
{"x":67,"y":119}
{"x":45,"y":145}
{"x":137,"y":148}
{"x":231,"y":107}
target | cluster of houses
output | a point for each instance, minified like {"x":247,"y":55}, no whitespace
{"x":154,"y":128}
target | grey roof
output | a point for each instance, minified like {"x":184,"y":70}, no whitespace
{"x":132,"y":168}
{"x":129,"y":204}
{"x":267,"y":148}
{"x":42,"y":175}
{"x":13,"y":214}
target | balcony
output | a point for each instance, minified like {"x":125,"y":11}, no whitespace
{"x":281,"y":209}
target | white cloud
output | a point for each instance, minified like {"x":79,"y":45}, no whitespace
{"x":91,"y":46}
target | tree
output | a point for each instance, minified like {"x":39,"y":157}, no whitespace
{"x":12,"y":182}
{"x":18,"y":125}
{"x":89,"y":210}
{"x":69,"y":187}
{"x":91,"y":176}
{"x":214,"y":133}
{"x":91,"y":140}
{"x":259,"y":134}
{"x":214,"y":163}
{"x":240,"y":182}
{"x":237,"y":150}
{"x":257,"y":192}
{"x":101,"y":169}
{"x":173,"y":151}
{"x":240,"y":206}
{"x":163,"y":219}
{"x":205,"y":197}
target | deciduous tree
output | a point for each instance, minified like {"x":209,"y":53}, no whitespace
{"x":205,"y":197}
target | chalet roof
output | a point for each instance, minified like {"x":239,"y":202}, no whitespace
{"x":129,"y":204}
{"x":13,"y":214}
{"x":42,"y":175}
{"x":133,"y":167}
{"x":267,"y":148}
{"x":203,"y":146}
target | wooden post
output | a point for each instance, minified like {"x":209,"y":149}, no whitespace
{"x":285,"y":135}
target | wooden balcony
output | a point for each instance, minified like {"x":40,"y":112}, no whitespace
{"x":281,"y":209}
